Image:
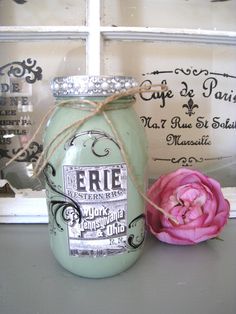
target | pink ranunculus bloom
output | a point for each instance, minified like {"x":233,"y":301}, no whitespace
{"x":195,"y":200}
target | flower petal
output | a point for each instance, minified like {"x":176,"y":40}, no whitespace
{"x":195,"y":200}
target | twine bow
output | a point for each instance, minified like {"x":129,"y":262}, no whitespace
{"x":97,"y":108}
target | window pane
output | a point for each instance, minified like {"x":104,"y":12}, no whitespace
{"x":25,"y":73}
{"x":196,"y":14}
{"x":44,"y":12}
{"x":194,"y":123}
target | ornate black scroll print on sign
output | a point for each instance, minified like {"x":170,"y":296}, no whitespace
{"x":16,"y":108}
{"x":30,"y":155}
{"x":26,"y":68}
{"x":60,"y":203}
{"x":189,"y":161}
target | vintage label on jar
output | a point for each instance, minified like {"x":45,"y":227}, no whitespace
{"x":101,"y":193}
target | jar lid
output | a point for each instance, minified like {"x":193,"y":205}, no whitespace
{"x":83,"y":85}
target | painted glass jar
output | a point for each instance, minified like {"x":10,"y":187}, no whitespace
{"x":96,"y":215}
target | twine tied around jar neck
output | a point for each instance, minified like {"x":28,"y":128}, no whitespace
{"x":97,"y":108}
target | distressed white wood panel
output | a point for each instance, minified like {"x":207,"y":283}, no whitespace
{"x":230,"y":195}
{"x":35,"y":33}
{"x":169,"y":34}
{"x":26,"y":209}
{"x":93,"y":31}
{"x":94,"y":43}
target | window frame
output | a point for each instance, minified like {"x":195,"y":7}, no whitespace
{"x":19,"y":209}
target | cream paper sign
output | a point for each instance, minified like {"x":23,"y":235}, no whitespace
{"x":193,"y":124}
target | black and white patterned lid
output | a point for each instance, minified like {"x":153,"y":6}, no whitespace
{"x":83,"y":85}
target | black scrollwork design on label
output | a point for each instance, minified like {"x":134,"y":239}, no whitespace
{"x":185,"y":72}
{"x":190,"y":106}
{"x":26,"y":68}
{"x":135,"y":241}
{"x":188,"y":162}
{"x":189,"y":71}
{"x":198,"y":72}
{"x":69,"y":210}
{"x":29,"y":155}
{"x":94,"y":137}
{"x":184,"y":161}
{"x":192,"y":159}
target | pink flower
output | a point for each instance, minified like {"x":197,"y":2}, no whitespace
{"x":195,"y":200}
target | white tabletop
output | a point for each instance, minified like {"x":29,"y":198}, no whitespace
{"x":167,"y":279}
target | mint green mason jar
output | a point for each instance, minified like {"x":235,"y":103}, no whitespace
{"x":96,"y":215}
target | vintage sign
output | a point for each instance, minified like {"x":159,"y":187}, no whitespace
{"x":193,"y":124}
{"x":16,"y":108}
